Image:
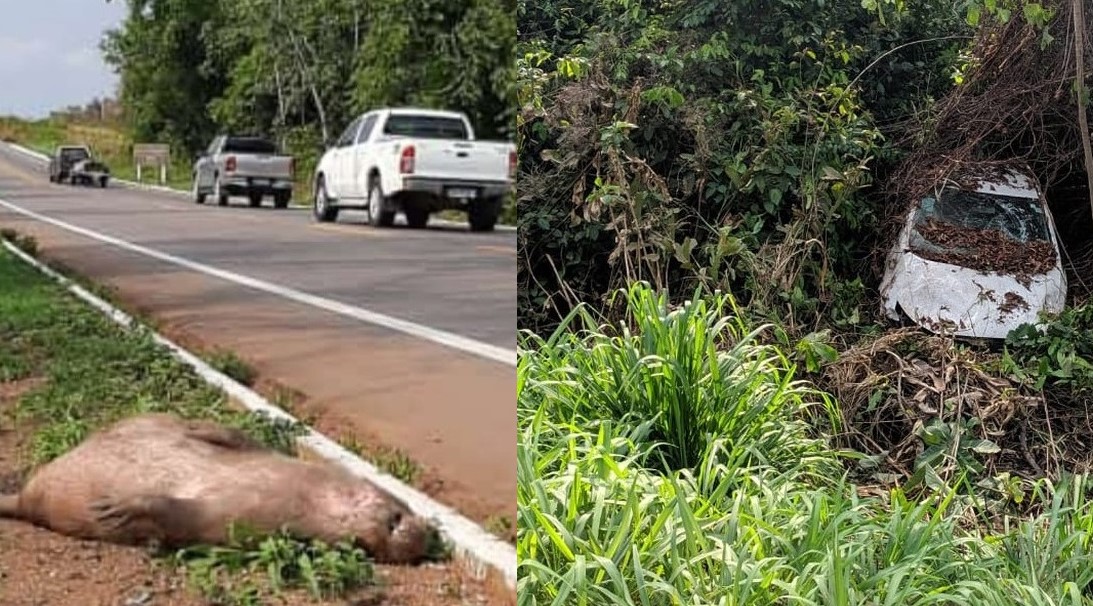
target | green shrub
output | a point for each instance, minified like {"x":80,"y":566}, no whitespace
{"x":694,"y":373}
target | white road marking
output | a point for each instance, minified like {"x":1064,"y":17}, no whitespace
{"x":471,"y":540}
{"x":447,"y":339}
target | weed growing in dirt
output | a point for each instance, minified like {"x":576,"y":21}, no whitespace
{"x":389,"y":460}
{"x":251,"y":568}
{"x":232,"y":365}
{"x":500,"y":526}
{"x":27,"y":244}
{"x":396,"y":463}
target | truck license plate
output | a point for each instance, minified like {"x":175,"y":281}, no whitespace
{"x":462,"y":193}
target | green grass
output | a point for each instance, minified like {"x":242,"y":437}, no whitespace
{"x":669,"y":459}
{"x":95,"y":373}
{"x":389,"y":460}
{"x":227,"y":574}
{"x":229,"y":363}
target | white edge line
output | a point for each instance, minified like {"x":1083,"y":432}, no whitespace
{"x":470,"y":541}
{"x":36,"y":155}
{"x":454,"y":341}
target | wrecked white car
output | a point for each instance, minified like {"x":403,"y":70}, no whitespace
{"x":978,"y":260}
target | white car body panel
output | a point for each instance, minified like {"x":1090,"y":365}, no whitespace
{"x":964,"y":302}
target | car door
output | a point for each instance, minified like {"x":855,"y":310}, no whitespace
{"x":205,"y":168}
{"x":339,"y":179}
{"x":361,"y":157}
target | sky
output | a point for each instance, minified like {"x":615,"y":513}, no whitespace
{"x":49,"y":54}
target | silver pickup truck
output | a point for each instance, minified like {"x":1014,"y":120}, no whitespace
{"x":243,"y":166}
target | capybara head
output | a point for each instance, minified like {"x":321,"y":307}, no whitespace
{"x":408,"y":539}
{"x":388,"y":531}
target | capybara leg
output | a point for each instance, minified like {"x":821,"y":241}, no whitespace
{"x":9,"y":506}
{"x":217,"y":435}
{"x":142,"y":518}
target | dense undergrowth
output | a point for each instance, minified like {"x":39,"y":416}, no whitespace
{"x":785,"y":446}
{"x":670,"y":458}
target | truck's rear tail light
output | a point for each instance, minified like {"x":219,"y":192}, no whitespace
{"x":512,"y":165}
{"x":230,"y":164}
{"x":406,"y":164}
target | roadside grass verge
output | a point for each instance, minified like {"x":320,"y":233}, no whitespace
{"x":670,"y":458}
{"x":94,"y":373}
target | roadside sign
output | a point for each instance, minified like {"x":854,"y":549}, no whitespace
{"x":155,"y":155}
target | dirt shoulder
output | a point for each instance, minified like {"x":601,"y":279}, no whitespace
{"x":66,"y":370}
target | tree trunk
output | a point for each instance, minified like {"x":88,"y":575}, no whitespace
{"x":1083,"y":97}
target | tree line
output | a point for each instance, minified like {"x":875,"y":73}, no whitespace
{"x":300,"y":70}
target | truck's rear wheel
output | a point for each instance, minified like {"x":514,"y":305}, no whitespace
{"x":324,"y":211}
{"x":482,"y":215}
{"x":219,"y":193}
{"x":281,"y":199}
{"x":417,"y":217}
{"x":379,"y":213}
{"x":255,"y":200}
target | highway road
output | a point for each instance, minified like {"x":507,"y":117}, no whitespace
{"x":399,"y":338}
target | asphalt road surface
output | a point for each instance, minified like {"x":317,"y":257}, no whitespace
{"x":402,"y":338}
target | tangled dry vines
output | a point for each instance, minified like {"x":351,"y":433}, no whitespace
{"x":1017,"y":102}
{"x":891,"y":388}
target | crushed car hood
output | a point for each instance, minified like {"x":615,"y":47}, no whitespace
{"x":963,"y":302}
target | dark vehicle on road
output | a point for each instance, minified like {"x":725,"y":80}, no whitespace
{"x":74,"y":164}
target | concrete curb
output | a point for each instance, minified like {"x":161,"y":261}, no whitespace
{"x":30,"y":153}
{"x":470,"y":541}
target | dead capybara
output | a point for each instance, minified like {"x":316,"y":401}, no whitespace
{"x":157,"y":477}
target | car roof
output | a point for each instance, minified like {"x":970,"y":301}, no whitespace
{"x":1014,"y":181}
{"x":420,"y":111}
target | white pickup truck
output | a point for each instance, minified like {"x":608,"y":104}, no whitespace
{"x":416,"y":161}
{"x":243,"y":166}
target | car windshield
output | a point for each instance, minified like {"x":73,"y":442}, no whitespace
{"x":1019,"y":219}
{"x":984,"y":232}
{"x":249,"y":145}
{"x":425,"y":127}
{"x":74,"y":154}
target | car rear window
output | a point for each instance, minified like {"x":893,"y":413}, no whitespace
{"x":425,"y":127}
{"x":1020,"y":219}
{"x":74,"y":155}
{"x":249,"y":145}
